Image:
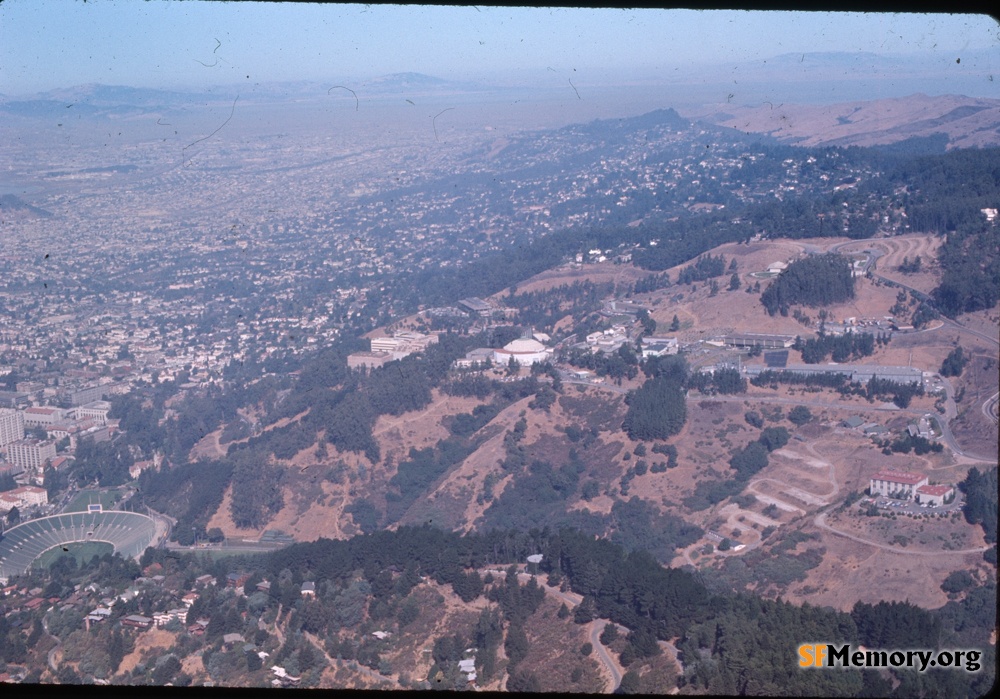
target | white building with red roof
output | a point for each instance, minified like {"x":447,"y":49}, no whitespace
{"x":897,"y":483}
{"x":934,"y":494}
{"x":23,"y":497}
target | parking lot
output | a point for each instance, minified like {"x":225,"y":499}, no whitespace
{"x":912,"y":506}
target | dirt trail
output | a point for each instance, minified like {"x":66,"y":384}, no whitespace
{"x":820,"y":521}
{"x":208,"y":447}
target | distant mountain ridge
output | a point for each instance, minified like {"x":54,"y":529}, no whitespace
{"x":97,"y":100}
{"x":98,"y":94}
{"x":410,"y":82}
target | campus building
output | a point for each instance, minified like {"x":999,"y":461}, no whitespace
{"x":476,"y":307}
{"x":759,"y":340}
{"x":11,"y":426}
{"x":31,"y":454}
{"x":897,"y":483}
{"x":96,"y":410}
{"x":935,"y":494}
{"x":386,"y":349}
{"x":858,"y":373}
{"x":22,"y":498}
{"x":524,"y":351}
{"x":659,"y":346}
{"x":43,"y":416}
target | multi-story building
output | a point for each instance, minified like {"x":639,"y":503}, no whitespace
{"x":164,"y":618}
{"x":11,"y":426}
{"x":137,"y":621}
{"x":96,"y":411}
{"x":43,"y":416}
{"x":386,"y":349}
{"x":368,"y":359}
{"x":69,"y":431}
{"x":31,"y":454}
{"x":86,"y":394}
{"x":897,"y":483}
{"x":23,"y":497}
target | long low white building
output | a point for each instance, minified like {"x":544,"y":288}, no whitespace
{"x":859,"y":373}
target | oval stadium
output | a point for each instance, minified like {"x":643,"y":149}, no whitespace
{"x":128,"y":532}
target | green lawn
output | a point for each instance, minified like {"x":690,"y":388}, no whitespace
{"x":86,"y":497}
{"x":82,"y":551}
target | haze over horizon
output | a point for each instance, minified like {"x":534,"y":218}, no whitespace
{"x":197,"y":45}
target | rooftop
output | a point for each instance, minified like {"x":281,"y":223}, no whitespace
{"x":934,"y":489}
{"x":898,"y":477}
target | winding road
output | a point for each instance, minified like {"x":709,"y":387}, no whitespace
{"x":55,"y":649}
{"x":990,"y":408}
{"x":596,"y":629}
{"x":875,"y":254}
{"x":614,"y":669}
{"x":946,"y":434}
{"x":571,"y":599}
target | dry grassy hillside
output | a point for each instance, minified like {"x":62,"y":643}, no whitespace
{"x":703,"y":316}
{"x":968,"y":122}
{"x":803,"y":480}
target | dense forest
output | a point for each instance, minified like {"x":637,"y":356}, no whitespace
{"x":970,"y":259}
{"x":728,"y":642}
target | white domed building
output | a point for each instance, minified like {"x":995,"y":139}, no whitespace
{"x":525,"y":351}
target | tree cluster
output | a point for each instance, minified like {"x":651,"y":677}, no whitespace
{"x":817,"y":280}
{"x":980,"y":489}
{"x":656,"y":410}
{"x":954,"y":363}
{"x":844,"y":348}
{"x":705,"y":267}
{"x":726,"y":381}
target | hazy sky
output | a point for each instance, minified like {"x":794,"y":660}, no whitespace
{"x":165,"y":43}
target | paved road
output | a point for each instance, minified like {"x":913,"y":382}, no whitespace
{"x":54,"y":650}
{"x":950,"y":413}
{"x":571,"y":599}
{"x":950,"y":410}
{"x":596,"y":629}
{"x":990,"y":407}
{"x":920,"y":294}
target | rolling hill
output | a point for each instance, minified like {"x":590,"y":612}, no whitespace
{"x":966,"y":122}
